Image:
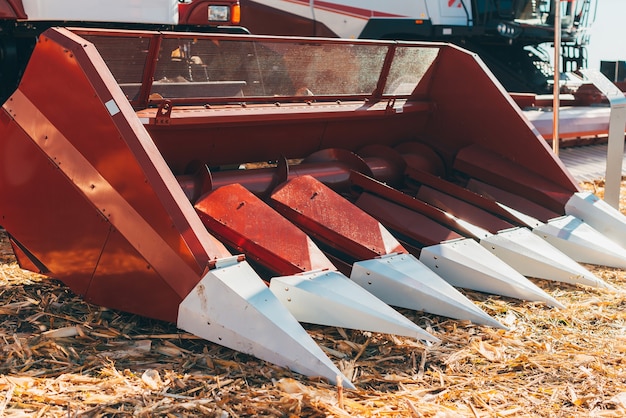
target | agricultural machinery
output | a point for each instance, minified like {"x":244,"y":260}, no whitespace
{"x":513,"y":37}
{"x":268,"y":181}
{"x":21,"y":22}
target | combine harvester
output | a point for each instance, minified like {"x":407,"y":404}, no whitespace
{"x":22,"y":21}
{"x":511,"y":36}
{"x":268,"y":181}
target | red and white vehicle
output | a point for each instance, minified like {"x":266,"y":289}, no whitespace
{"x":507,"y":34}
{"x":141,"y":12}
{"x":21,"y":21}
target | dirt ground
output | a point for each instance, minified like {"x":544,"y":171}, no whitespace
{"x":61,"y":357}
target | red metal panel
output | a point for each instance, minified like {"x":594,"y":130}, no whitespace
{"x":42,"y":211}
{"x":69,"y":239}
{"x":153,"y":191}
{"x":124,"y":280}
{"x":513,"y":201}
{"x":248,"y":224}
{"x":12,"y":9}
{"x":457,"y":191}
{"x":90,"y":168}
{"x":402,"y":199}
{"x":410,"y":224}
{"x":480,"y":198}
{"x":266,"y":133}
{"x":484,"y":165}
{"x":473,"y":108}
{"x":266,"y":20}
{"x":26,"y":260}
{"x":327,"y":216}
{"x":463,"y":210}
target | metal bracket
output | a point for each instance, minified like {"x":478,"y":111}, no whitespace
{"x":390,"y":107}
{"x":164,"y":113}
{"x":617,"y":124}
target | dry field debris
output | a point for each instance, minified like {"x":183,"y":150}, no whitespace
{"x":61,"y":357}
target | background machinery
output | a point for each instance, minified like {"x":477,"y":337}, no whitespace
{"x":21,"y":22}
{"x":513,"y":37}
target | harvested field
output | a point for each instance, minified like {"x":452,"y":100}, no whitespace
{"x":61,"y":357}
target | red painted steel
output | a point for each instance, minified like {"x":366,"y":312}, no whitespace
{"x":12,"y":9}
{"x":389,"y":194}
{"x":266,"y":133}
{"x":112,"y":222}
{"x":287,"y":24}
{"x":463,"y":210}
{"x":478,"y":194}
{"x":510,"y":174}
{"x":329,"y":217}
{"x":334,"y":173}
{"x":249,"y":225}
{"x":421,"y":230}
{"x":494,"y":122}
{"x":419,"y":156}
{"x":103,"y":179}
{"x":331,"y":166}
{"x":512,"y":200}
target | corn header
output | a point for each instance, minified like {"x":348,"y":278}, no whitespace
{"x":239,"y":185}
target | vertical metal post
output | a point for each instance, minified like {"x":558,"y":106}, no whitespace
{"x":617,"y":124}
{"x":556,"y":103}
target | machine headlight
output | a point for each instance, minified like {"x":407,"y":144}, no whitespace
{"x":509,"y":30}
{"x":219,"y":13}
